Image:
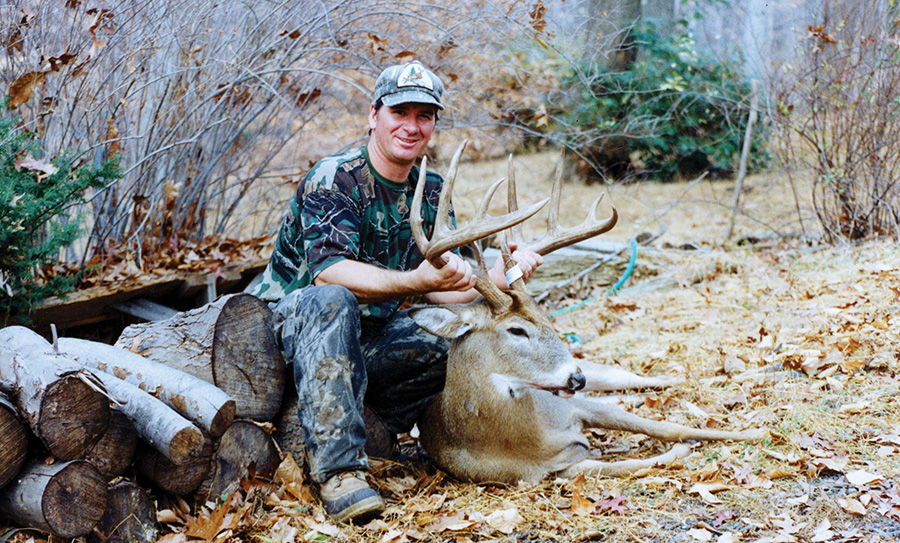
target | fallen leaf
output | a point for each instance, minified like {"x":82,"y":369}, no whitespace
{"x":613,"y":505}
{"x":852,"y":505}
{"x":451,"y":523}
{"x":705,"y":491}
{"x":822,"y":532}
{"x":288,"y":471}
{"x":700,"y":534}
{"x":853,"y":408}
{"x":505,"y":520}
{"x":861,"y":478}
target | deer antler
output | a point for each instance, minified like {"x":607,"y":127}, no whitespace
{"x":557,"y":237}
{"x":445,"y":237}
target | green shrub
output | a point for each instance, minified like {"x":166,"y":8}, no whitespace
{"x":671,"y":113}
{"x":36,"y":199}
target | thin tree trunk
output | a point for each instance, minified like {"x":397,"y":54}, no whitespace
{"x":197,"y":400}
{"x":167,"y":431}
{"x":66,"y":499}
{"x":229,"y":343}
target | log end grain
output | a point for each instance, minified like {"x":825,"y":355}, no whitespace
{"x":243,"y":447}
{"x":186,"y":445}
{"x":115,"y":451}
{"x":13,"y":443}
{"x":74,"y":500}
{"x":73,"y":417}
{"x":223,"y":419}
{"x":164,"y":474}
{"x":247,"y":363}
{"x":130,"y":516}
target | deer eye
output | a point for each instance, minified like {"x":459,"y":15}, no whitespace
{"x":518,"y":331}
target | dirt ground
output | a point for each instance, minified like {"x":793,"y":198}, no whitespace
{"x":780,"y":332}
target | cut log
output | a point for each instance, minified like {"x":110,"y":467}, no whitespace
{"x":229,"y":343}
{"x":66,"y":499}
{"x":245,"y":446}
{"x":115,"y":451}
{"x":178,"y":479}
{"x":199,"y":401}
{"x":62,"y":402}
{"x":13,"y":442}
{"x":168,"y":432}
{"x":130,"y":516}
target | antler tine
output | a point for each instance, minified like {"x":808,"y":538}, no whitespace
{"x":515,"y":233}
{"x":557,"y":236}
{"x":445,"y":237}
{"x":442,"y":224}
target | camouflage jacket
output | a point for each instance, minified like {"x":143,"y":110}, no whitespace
{"x":344,"y":209}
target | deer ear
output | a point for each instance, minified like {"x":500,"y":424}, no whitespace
{"x":444,"y":321}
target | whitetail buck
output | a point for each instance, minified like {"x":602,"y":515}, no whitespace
{"x":509,"y":410}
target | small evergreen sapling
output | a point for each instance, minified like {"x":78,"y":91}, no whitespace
{"x":37,"y":198}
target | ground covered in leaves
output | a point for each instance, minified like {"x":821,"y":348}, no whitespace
{"x":800,"y":339}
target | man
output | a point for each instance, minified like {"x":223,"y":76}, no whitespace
{"x":343,"y":264}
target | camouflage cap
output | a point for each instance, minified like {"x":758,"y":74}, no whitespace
{"x":410,"y":82}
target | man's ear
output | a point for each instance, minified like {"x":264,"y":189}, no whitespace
{"x":372,"y":114}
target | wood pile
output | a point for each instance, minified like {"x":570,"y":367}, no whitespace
{"x":89,"y":430}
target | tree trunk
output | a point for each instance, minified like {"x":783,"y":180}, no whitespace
{"x":245,"y":446}
{"x":178,"y":479}
{"x":230,"y":343}
{"x":197,"y":400}
{"x":115,"y":451}
{"x":13,"y":442}
{"x":66,"y":499}
{"x":130,"y":516}
{"x":167,"y":431}
{"x":60,"y":400}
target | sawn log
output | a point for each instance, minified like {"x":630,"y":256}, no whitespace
{"x":114,"y":453}
{"x":13,"y":442}
{"x":229,"y":343}
{"x":130,"y":516}
{"x":62,"y":402}
{"x":66,"y":499}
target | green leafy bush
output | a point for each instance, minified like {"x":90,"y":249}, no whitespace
{"x":36,"y":199}
{"x":671,"y":113}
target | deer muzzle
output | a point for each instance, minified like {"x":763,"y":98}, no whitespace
{"x":576,"y":381}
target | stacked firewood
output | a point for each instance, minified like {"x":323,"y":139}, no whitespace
{"x":87,"y":428}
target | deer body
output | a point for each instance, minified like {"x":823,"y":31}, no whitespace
{"x":510,"y":410}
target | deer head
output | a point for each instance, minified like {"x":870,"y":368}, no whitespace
{"x":504,"y":338}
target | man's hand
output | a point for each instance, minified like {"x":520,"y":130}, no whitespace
{"x":528,"y":262}
{"x":456,"y":275}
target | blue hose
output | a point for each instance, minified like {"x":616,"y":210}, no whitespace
{"x":612,"y":290}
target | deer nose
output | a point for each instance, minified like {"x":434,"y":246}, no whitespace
{"x":576,"y":381}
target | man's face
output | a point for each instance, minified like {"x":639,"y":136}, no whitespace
{"x":400,"y":133}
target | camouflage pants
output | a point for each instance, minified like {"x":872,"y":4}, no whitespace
{"x":340,"y":361}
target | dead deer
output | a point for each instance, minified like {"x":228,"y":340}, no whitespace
{"x":510,"y":410}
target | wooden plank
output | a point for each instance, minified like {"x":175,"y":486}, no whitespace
{"x":144,"y":309}
{"x":93,"y":305}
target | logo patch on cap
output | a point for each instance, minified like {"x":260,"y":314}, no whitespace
{"x":414,"y":75}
